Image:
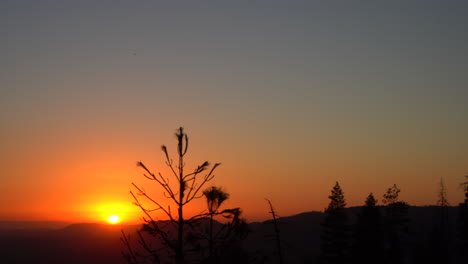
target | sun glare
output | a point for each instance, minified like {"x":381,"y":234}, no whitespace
{"x":113,"y":219}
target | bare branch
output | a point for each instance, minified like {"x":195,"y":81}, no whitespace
{"x":151,"y":221}
{"x":162,"y":181}
{"x":208,"y":177}
{"x":177,"y":241}
{"x":153,"y":253}
{"x":186,"y":145}
{"x":131,"y":256}
{"x":143,"y":193}
{"x":199,"y":169}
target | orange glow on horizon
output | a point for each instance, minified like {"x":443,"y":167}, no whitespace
{"x":90,"y":181}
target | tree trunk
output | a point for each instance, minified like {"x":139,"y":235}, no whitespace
{"x":180,"y":258}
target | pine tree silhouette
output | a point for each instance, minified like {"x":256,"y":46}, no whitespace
{"x":223,"y":240}
{"x":396,"y":222}
{"x":368,"y":233}
{"x":463,"y":223}
{"x":335,"y":230}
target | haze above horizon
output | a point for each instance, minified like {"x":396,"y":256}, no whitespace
{"x":289,"y":96}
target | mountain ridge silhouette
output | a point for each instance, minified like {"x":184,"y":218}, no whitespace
{"x":100,"y":243}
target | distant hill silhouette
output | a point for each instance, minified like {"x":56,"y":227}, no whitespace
{"x":100,"y":243}
{"x":301,"y":233}
{"x":16,"y":225}
{"x":76,"y":243}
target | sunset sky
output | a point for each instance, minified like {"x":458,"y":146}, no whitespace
{"x":290,"y":96}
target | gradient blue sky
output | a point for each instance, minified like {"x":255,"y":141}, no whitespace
{"x":290,"y":96}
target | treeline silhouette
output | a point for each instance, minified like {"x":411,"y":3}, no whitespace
{"x":385,"y":230}
{"x":382,"y":234}
{"x":372,"y":233}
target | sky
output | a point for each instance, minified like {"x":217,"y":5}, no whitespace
{"x":290,"y":96}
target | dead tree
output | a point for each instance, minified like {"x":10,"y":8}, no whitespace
{"x":442,"y":194}
{"x":443,"y":205}
{"x":277,"y":236}
{"x":180,"y":188}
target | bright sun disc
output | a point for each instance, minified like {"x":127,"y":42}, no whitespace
{"x":113,"y":219}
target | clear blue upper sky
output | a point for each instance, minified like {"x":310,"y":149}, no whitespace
{"x":295,"y":93}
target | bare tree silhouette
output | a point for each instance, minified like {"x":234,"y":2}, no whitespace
{"x":442,"y":194}
{"x":175,"y":237}
{"x":277,"y":232}
{"x":439,"y":239}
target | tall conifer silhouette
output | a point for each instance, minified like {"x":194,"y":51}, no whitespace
{"x":463,"y":222}
{"x":335,"y":230}
{"x":368,"y":233}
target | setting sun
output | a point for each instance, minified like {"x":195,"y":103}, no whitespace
{"x":113,"y":219}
